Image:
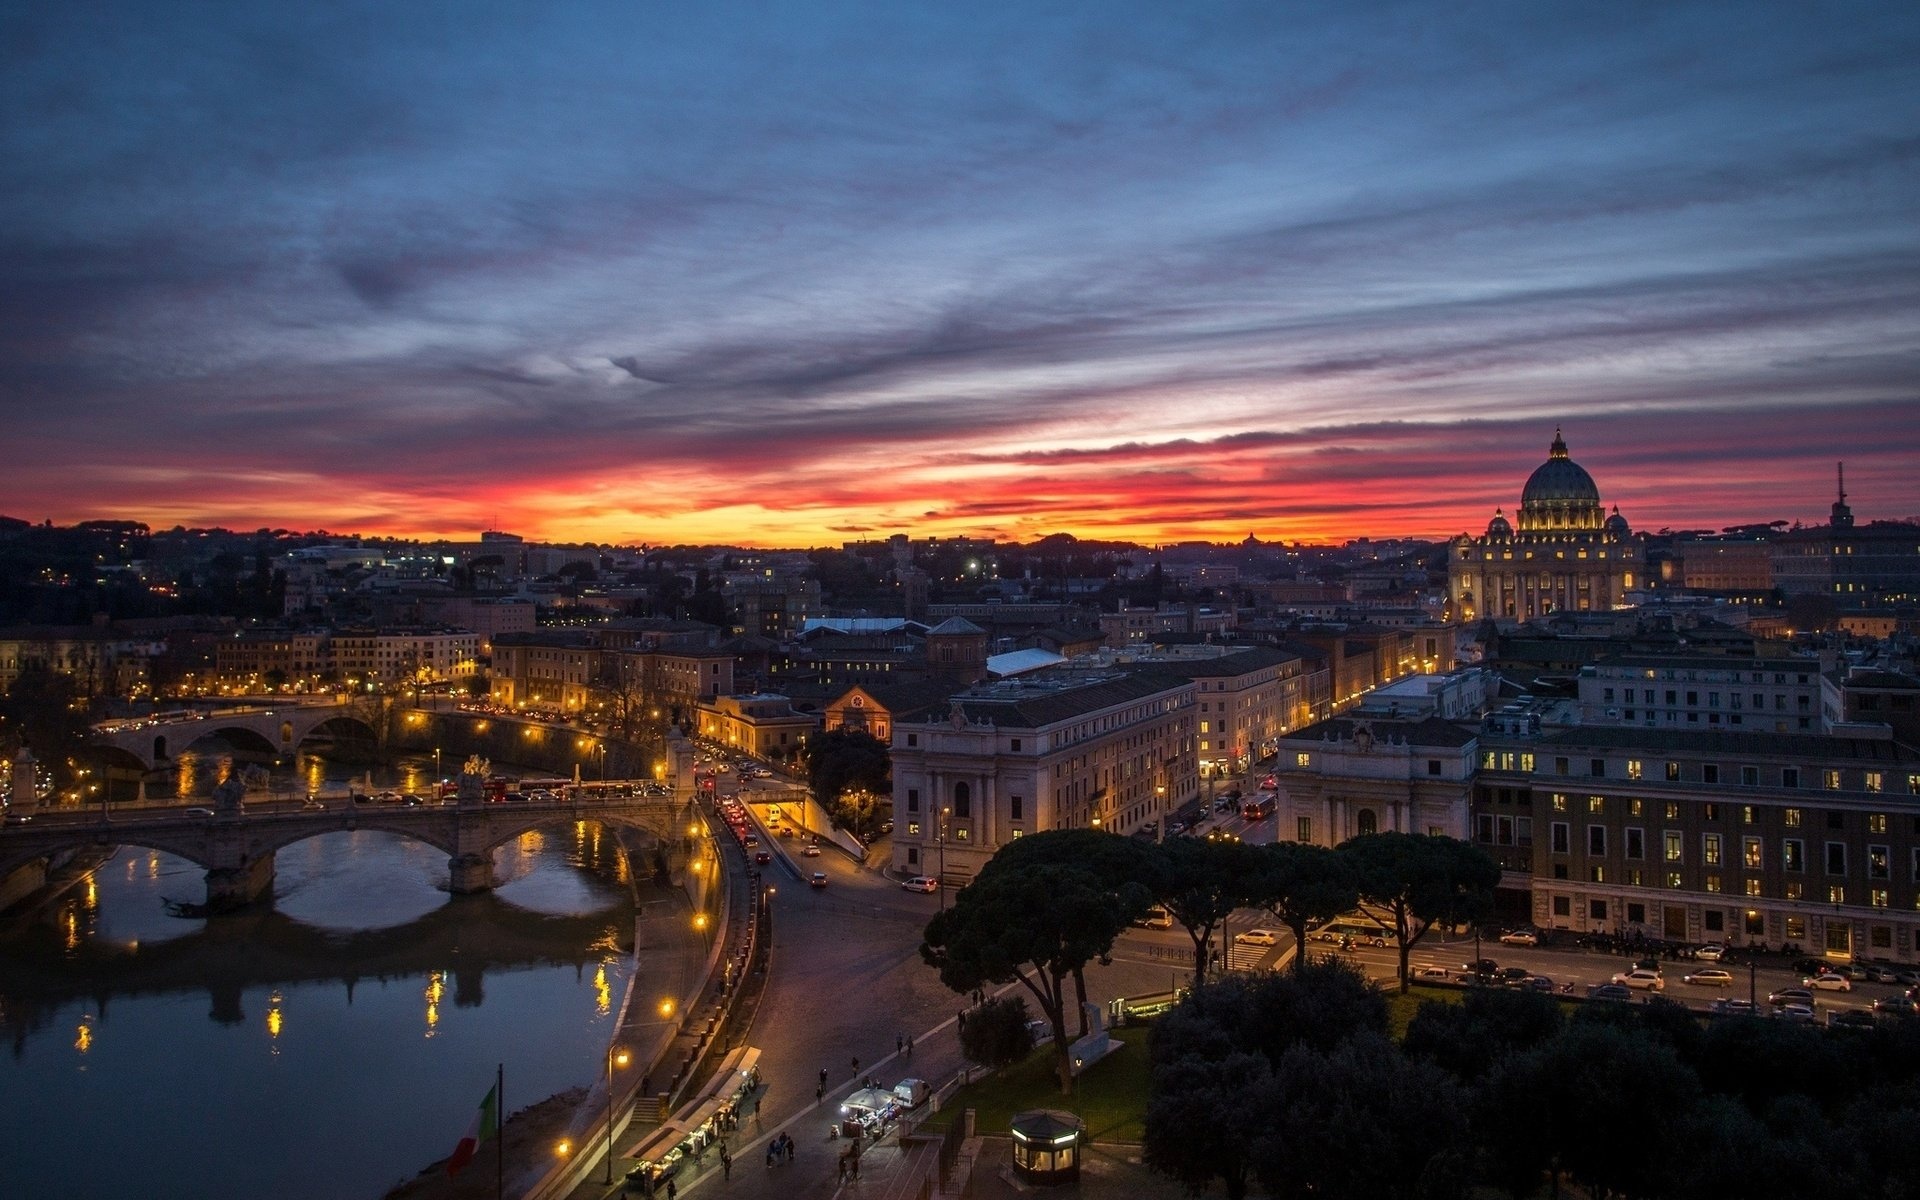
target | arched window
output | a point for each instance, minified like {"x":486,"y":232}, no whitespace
{"x":962,"y":801}
{"x":1367,"y":822}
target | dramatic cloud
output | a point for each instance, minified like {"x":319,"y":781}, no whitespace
{"x":782,"y":276}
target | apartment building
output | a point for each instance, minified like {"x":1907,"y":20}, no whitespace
{"x":1051,"y":750}
{"x":1703,"y":693}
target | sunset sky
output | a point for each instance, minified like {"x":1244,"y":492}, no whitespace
{"x":790,"y":274}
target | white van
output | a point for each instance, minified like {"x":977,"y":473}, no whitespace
{"x":1157,"y":917}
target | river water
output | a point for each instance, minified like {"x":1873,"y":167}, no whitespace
{"x":326,"y":1045}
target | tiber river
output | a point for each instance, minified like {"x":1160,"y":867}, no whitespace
{"x":328,"y":1045}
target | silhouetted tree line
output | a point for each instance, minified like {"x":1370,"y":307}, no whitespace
{"x":1048,"y":904}
{"x":1291,"y":1084}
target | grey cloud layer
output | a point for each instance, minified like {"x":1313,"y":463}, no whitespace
{"x":540,"y":239}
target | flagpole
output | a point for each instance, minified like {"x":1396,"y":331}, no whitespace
{"x":500,"y":1142}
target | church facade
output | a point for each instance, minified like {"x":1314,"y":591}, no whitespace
{"x":1562,"y":553}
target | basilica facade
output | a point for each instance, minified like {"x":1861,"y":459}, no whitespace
{"x":1562,"y":553}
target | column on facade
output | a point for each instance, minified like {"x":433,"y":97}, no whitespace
{"x":989,"y":811}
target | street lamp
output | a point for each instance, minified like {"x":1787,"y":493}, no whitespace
{"x":615,"y":1058}
{"x":941,"y":841}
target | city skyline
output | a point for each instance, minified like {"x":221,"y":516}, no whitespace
{"x":740,"y":276}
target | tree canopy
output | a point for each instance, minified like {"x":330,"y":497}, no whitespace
{"x":1410,"y":881}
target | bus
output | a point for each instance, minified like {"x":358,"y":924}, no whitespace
{"x":1362,"y":929}
{"x":1258,"y":808}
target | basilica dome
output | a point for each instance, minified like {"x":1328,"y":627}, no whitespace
{"x":1560,"y":495}
{"x":1560,"y":479}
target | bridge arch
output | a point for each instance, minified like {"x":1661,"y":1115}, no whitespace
{"x":240,"y":737}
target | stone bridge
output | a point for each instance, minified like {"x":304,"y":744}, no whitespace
{"x":278,"y":729}
{"x":237,"y":848}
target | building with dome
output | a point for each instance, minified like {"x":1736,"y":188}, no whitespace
{"x":1561,"y":552}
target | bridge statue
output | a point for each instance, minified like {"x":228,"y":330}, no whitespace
{"x":472,"y":786}
{"x":26,"y":788}
{"x":230,"y":795}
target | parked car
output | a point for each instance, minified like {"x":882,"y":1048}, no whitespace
{"x":1896,"y":1005}
{"x":1832,"y":981}
{"x":1642,"y":978}
{"x":1520,"y":937}
{"x":1790,"y":995}
{"x":1810,"y":966}
{"x":1799,"y":1014}
{"x":1850,"y":1018}
{"x":1512,"y":976}
{"x":1726,"y":1006}
{"x":1257,"y":937}
{"x":1480,"y":966}
{"x":819,"y":879}
{"x":922,"y":883}
{"x":1709,"y":977}
{"x":1609,"y":991}
{"x":1711,"y":952}
{"x":1537,"y":983}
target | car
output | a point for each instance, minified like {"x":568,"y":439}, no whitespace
{"x":1799,"y":1014}
{"x":1647,"y":964}
{"x":763,"y":858}
{"x":1642,"y":978}
{"x":1906,"y":976}
{"x":199,"y":812}
{"x":1537,"y":983}
{"x":1612,"y":992}
{"x":753,"y":839}
{"x":819,"y":879}
{"x":921,"y":883}
{"x":1810,"y":966}
{"x":1727,"y":1006}
{"x":1711,"y":952}
{"x":1520,"y":937}
{"x":1874,"y":973}
{"x":1513,"y":976}
{"x":886,"y":827}
{"x":1480,"y":966}
{"x":1832,"y":981}
{"x":810,"y":851}
{"x":1431,"y":973}
{"x":1896,"y":1005}
{"x":1790,"y":995}
{"x":1709,"y":977}
{"x":14,"y":818}
{"x":1850,"y":1018}
{"x":1257,"y":937}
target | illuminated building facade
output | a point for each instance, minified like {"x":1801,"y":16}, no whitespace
{"x":1563,"y":554}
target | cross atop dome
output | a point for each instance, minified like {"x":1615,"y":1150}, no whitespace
{"x":1559,"y":447}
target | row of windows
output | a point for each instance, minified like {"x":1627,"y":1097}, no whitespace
{"x":1735,"y":700}
{"x":1712,"y":848}
{"x":1712,"y":810}
{"x":1876,"y":897}
{"x":1832,"y":779}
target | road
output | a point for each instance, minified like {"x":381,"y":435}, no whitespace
{"x":846,"y":983}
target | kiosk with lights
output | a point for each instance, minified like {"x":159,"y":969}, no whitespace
{"x":1046,"y":1146}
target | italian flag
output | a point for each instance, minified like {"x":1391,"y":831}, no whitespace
{"x":486,"y":1124}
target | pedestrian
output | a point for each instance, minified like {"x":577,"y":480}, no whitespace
{"x":673,"y":1189}
{"x":819,"y":1092}
{"x":899,"y":1043}
{"x":854,"y":1167}
{"x":843,"y":1168}
{"x":856,"y":1064}
{"x":963,"y":1020}
{"x":726,"y":1164}
{"x":823,"y":1077}
{"x":909,"y":1045}
{"x":646,"y":1085}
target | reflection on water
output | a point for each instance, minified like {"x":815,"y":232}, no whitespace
{"x":198,"y":772}
{"x":365,"y":1007}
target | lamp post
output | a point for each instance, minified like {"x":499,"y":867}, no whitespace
{"x":940,"y":882}
{"x":615,"y":1058}
{"x":1753,"y":986}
